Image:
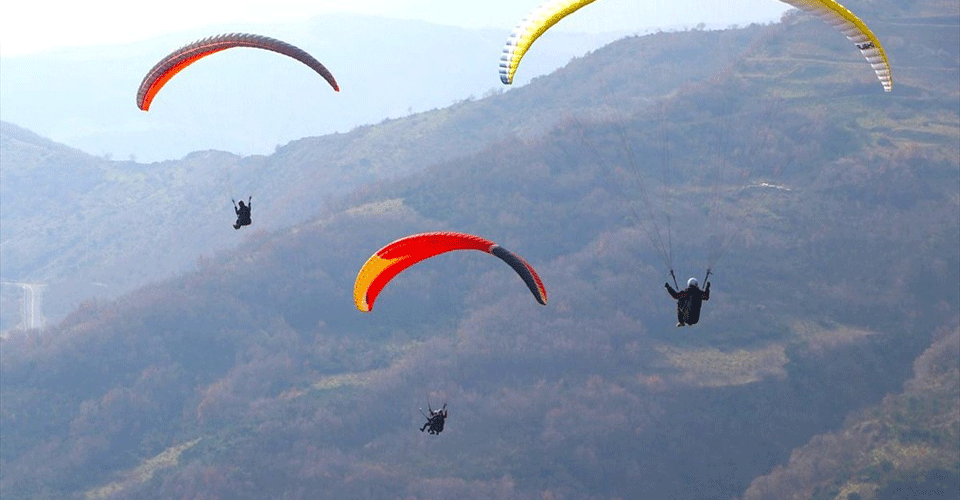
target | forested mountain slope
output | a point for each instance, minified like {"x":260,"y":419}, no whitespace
{"x":94,"y":227}
{"x":832,"y":213}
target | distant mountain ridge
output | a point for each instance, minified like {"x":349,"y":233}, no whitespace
{"x":250,"y":102}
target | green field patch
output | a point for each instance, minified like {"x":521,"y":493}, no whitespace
{"x":378,"y":207}
{"x":144,"y":472}
{"x":711,"y":367}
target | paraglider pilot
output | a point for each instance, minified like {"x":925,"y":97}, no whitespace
{"x":435,"y":421}
{"x":243,"y":213}
{"x":689,"y":301}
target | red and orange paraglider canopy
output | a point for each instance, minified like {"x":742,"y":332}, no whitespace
{"x":179,"y":59}
{"x":394,"y":258}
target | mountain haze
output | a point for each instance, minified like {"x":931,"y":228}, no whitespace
{"x":824,"y":365}
{"x":250,"y":101}
{"x":169,"y":213}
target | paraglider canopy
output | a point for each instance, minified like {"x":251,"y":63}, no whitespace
{"x":394,"y":258}
{"x":551,"y":12}
{"x":179,"y":59}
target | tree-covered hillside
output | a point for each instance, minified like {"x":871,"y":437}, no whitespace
{"x":110,"y":226}
{"x":904,"y":447}
{"x":829,"y":210}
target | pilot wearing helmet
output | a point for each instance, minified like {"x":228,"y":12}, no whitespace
{"x":689,"y":301}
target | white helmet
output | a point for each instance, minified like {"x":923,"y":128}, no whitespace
{"x":692,"y":282}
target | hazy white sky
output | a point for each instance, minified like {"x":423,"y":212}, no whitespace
{"x":29,"y":26}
